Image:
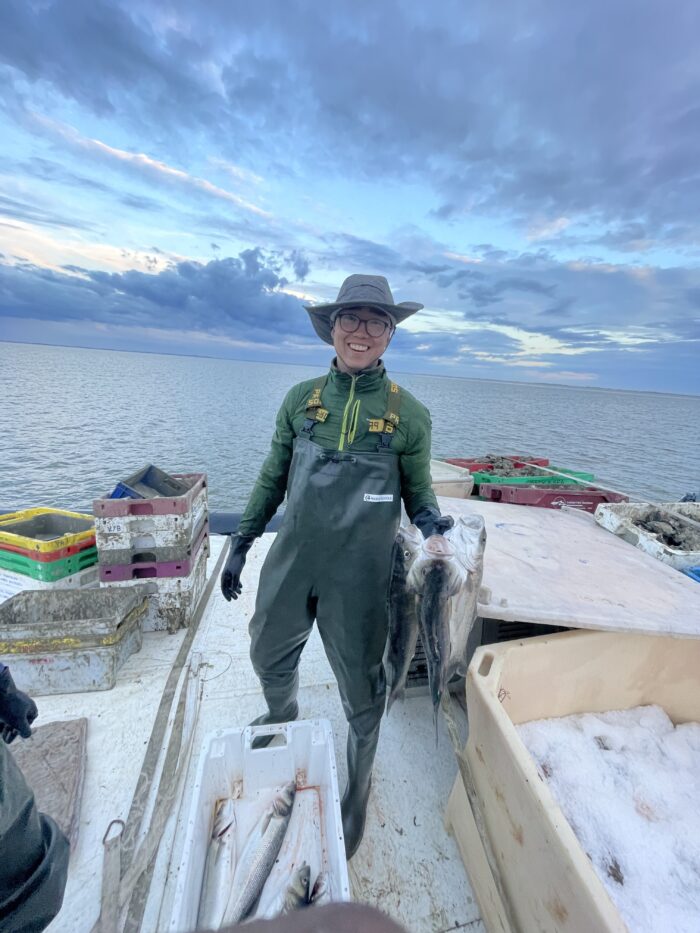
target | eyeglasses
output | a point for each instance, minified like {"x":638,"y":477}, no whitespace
{"x":374,"y":326}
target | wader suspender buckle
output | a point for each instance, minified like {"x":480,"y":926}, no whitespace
{"x":315,"y":411}
{"x":387,"y":425}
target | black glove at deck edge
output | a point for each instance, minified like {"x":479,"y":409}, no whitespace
{"x":17,"y":710}
{"x":430,"y":522}
{"x":231,"y":574}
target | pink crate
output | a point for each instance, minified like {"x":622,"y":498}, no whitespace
{"x":586,"y":498}
{"x":477,"y":464}
{"x":160,"y":505}
{"x":117,"y":573}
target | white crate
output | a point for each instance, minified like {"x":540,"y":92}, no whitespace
{"x":619,"y":517}
{"x":12,"y":582}
{"x":172,"y":600}
{"x":229,"y":766}
{"x":448,"y":479}
{"x":140,"y":532}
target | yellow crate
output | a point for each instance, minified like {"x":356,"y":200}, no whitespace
{"x":45,"y":530}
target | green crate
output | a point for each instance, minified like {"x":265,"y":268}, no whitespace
{"x":48,"y":571}
{"x":543,"y":479}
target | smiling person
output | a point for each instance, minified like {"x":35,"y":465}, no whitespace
{"x":348,"y":447}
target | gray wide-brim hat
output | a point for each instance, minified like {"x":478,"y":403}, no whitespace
{"x":360,"y":291}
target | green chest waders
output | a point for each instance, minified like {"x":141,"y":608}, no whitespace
{"x":331,"y":561}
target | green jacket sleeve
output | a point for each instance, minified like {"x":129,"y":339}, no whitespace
{"x":271,"y":484}
{"x":416,"y":489}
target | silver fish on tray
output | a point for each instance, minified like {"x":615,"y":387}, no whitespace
{"x":258,"y":855}
{"x":219,"y":867}
{"x":403,"y":616}
{"x":443,"y":576}
{"x":302,"y":845}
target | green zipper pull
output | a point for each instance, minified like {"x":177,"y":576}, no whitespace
{"x":346,"y":412}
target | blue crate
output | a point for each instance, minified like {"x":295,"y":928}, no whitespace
{"x":149,"y":483}
{"x":693,"y":573}
{"x":122,"y":491}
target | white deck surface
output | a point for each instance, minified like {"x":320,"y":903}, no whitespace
{"x":558,"y":567}
{"x":407,"y":865}
{"x":541,"y":566}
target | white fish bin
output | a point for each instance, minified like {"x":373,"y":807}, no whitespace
{"x":553,"y":882}
{"x":230,"y":767}
{"x":448,"y":479}
{"x":621,"y":518}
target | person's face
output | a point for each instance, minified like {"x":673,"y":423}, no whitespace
{"x":360,"y":349}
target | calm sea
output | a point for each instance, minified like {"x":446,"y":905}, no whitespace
{"x":74,"y":421}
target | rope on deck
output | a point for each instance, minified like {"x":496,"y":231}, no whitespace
{"x":120,"y":847}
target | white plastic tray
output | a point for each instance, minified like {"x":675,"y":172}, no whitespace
{"x":448,"y":479}
{"x":147,"y":531}
{"x":12,"y":582}
{"x":172,"y":600}
{"x":619,"y":517}
{"x":229,"y":766}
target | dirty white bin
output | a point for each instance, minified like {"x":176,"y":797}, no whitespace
{"x":450,"y":480}
{"x":549,"y":881}
{"x":620,"y":518}
{"x":229,"y":766}
{"x":70,"y":641}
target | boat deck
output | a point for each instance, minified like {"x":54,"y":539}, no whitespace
{"x":407,"y":864}
{"x":554,"y":567}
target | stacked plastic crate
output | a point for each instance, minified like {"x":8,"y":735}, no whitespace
{"x":156,"y":532}
{"x":46,"y":549}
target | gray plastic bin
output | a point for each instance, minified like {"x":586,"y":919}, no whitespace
{"x":70,"y":641}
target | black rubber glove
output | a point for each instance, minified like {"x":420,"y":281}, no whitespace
{"x":430,"y":522}
{"x":231,"y":574}
{"x":17,"y":710}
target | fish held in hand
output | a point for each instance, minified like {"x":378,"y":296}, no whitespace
{"x":261,"y":849}
{"x":219,"y":867}
{"x":403,"y":617}
{"x":444,"y":577}
{"x":469,"y":540}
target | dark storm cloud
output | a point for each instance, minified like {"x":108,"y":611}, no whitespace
{"x":235,"y":297}
{"x":539,"y":109}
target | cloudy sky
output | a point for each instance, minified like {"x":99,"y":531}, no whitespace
{"x":179,"y":177}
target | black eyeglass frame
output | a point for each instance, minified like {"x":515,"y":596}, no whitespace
{"x":345,"y":315}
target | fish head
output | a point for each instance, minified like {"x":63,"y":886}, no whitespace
{"x":283,"y":802}
{"x":437,"y":556}
{"x":302,"y":881}
{"x":225,"y":817}
{"x":469,"y":539}
{"x":406,"y":546}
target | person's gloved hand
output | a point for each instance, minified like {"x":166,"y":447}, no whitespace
{"x":231,"y":574}
{"x":430,"y":522}
{"x":17,"y":710}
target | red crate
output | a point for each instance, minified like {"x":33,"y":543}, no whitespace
{"x":48,"y":556}
{"x":586,"y":498}
{"x":161,"y":505}
{"x":475,"y":464}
